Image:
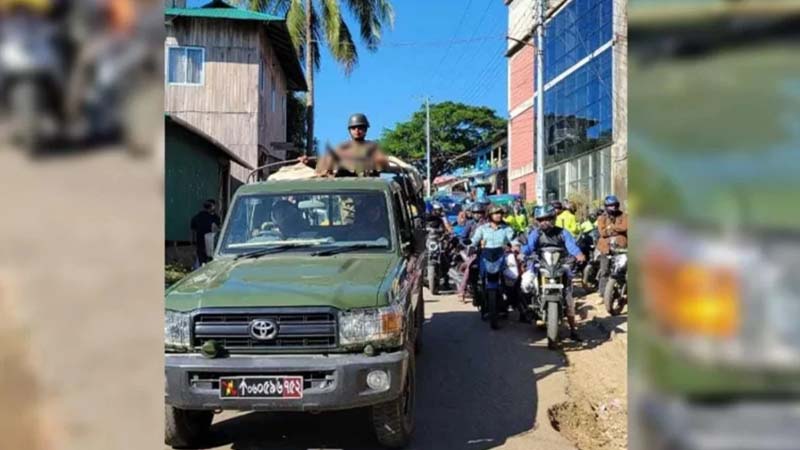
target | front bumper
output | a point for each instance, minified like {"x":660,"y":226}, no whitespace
{"x":333,"y":382}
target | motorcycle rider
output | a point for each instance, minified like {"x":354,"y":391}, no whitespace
{"x":517,"y":218}
{"x":612,"y":226}
{"x":494,"y":235}
{"x":437,"y":212}
{"x":478,"y":218}
{"x":358,"y":156}
{"x":550,"y":235}
{"x":565,"y":217}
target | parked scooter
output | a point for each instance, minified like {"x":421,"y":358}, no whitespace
{"x":545,"y":284}
{"x":615,"y":296}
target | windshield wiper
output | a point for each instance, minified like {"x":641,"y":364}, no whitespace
{"x":344,"y":249}
{"x":270,"y":250}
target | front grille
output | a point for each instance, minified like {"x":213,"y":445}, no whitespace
{"x":317,"y":379}
{"x":299,"y":329}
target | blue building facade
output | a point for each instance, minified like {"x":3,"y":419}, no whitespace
{"x":579,"y":99}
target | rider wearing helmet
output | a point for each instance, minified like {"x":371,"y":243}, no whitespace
{"x":477,"y":210}
{"x":565,"y":217}
{"x":550,"y":235}
{"x":437,"y":212}
{"x":358,"y":156}
{"x":613,"y":227}
{"x":495,"y":233}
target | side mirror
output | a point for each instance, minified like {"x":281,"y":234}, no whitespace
{"x":211,"y":243}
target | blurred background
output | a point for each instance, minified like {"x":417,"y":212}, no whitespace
{"x":81,"y":273}
{"x":714,"y":101}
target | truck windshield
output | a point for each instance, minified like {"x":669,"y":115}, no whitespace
{"x":320,"y":220}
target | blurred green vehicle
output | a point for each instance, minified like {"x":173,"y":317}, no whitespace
{"x":714,"y":119}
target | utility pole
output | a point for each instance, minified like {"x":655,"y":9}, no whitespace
{"x":540,"y":103}
{"x":428,"y":140}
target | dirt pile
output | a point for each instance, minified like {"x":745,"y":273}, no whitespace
{"x":596,"y":415}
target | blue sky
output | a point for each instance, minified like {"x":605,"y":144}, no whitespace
{"x":418,"y":57}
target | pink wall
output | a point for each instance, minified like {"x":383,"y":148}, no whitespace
{"x":521,"y":81}
{"x":522,"y":154}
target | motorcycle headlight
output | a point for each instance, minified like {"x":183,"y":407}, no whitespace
{"x":433,"y":246}
{"x":382,"y":326}
{"x":731,"y":302}
{"x":176,"y":330}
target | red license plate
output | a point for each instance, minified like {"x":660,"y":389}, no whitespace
{"x":288,"y":387}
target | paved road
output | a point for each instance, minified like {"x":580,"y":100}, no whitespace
{"x":477,"y":389}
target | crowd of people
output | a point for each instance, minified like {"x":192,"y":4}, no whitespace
{"x":491,"y":227}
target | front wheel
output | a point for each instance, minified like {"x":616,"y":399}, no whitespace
{"x":26,"y":101}
{"x":552,"y":325}
{"x":433,"y":280}
{"x":184,"y":428}
{"x":393,"y":421}
{"x":491,"y":307}
{"x":612,"y":297}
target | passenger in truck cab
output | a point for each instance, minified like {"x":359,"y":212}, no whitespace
{"x":288,"y":219}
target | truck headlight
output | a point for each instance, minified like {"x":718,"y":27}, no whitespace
{"x":176,"y":330}
{"x":372,"y":326}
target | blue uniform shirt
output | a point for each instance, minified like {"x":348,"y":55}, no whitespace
{"x":493,"y":238}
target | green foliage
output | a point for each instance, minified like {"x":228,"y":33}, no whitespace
{"x":455,"y":128}
{"x":329,"y":27}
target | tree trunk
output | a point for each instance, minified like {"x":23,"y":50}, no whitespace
{"x":310,"y":83}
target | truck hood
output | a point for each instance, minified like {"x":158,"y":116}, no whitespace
{"x":343,"y":281}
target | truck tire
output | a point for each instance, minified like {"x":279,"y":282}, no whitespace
{"x":492,"y":306}
{"x":420,"y":319}
{"x":393,"y":421}
{"x":185,"y":428}
{"x":612,"y":298}
{"x":552,"y":325}
{"x":433,"y":280}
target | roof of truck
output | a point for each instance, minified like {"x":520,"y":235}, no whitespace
{"x":313,"y":184}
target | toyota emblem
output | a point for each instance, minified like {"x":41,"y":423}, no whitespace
{"x":263,"y":329}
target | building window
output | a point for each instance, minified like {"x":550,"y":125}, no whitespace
{"x":578,"y":111}
{"x":185,"y":65}
{"x":523,"y":192}
{"x":576,"y":31}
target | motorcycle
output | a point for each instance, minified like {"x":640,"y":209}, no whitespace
{"x":490,"y":284}
{"x":545,"y":283}
{"x":615,"y":296}
{"x":436,"y":254}
{"x":589,"y":268}
{"x":462,"y":257}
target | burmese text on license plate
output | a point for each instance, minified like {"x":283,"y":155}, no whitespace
{"x":261,"y":387}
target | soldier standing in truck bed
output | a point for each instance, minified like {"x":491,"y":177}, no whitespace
{"x":356,"y":157}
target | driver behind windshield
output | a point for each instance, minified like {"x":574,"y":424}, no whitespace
{"x":288,"y":218}
{"x":369,"y":223}
{"x":549,"y":235}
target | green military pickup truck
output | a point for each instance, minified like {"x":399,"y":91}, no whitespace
{"x":313,"y":302}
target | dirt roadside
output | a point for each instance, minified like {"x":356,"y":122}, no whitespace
{"x":595,"y":416}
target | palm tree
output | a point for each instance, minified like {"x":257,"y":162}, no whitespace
{"x":312,"y":22}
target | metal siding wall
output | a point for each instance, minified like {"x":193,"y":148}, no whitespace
{"x":191,"y":175}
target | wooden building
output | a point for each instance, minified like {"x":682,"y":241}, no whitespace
{"x":228,"y":72}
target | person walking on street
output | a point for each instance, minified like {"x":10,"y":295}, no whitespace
{"x":204,"y":222}
{"x":613,"y":228}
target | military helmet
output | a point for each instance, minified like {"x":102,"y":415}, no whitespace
{"x":544,"y":212}
{"x":556,"y":204}
{"x":358,"y":119}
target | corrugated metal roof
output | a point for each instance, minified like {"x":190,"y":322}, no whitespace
{"x":221,"y":13}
